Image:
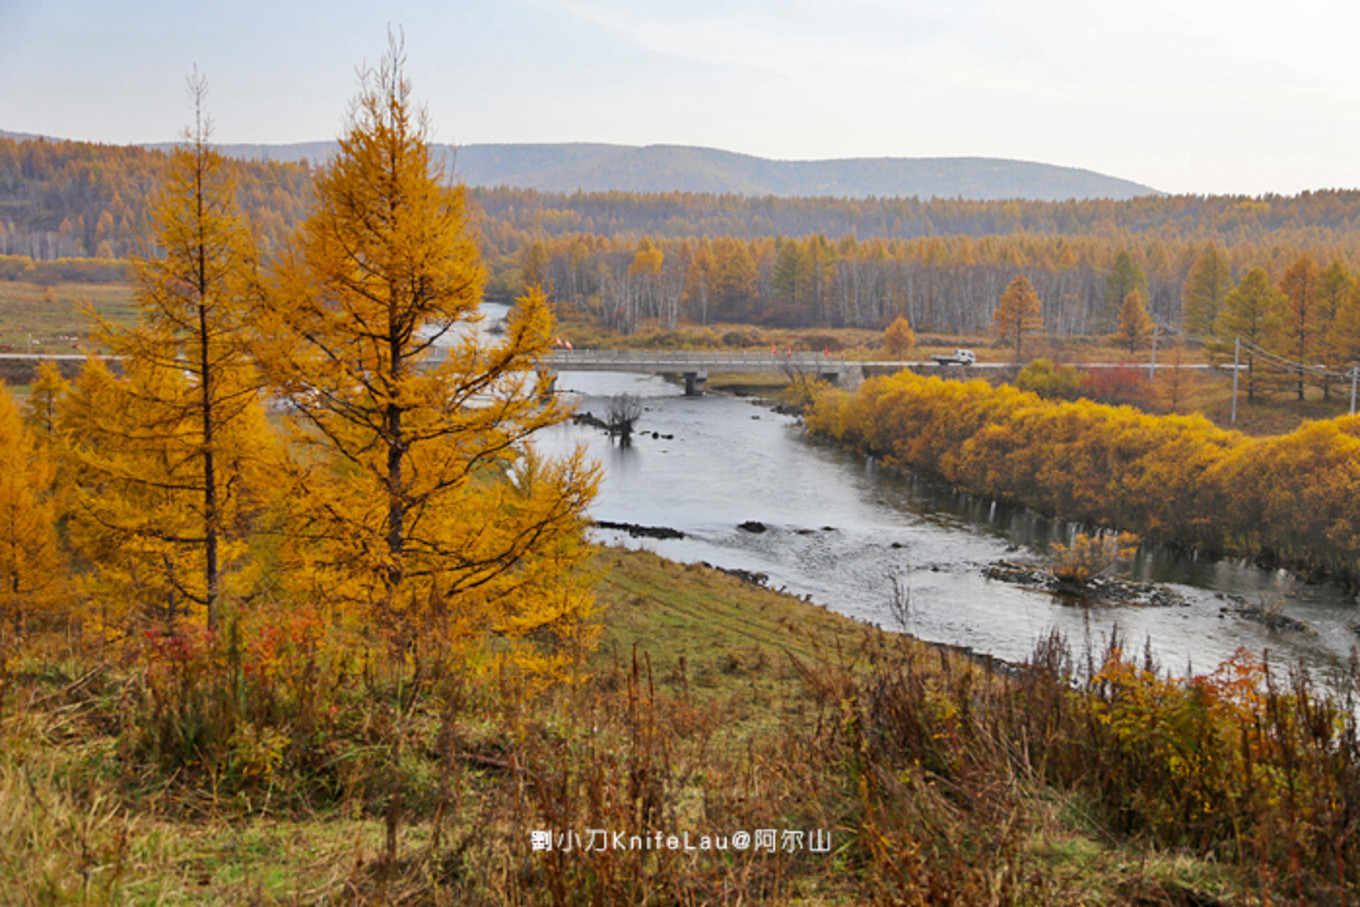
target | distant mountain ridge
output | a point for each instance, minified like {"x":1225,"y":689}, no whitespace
{"x":675,"y":168}
{"x":680,"y":168}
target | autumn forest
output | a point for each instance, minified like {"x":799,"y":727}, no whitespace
{"x":633,"y":259}
{"x":293,"y":609}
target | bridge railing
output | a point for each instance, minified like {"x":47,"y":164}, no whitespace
{"x":686,"y":360}
{"x":702,"y":359}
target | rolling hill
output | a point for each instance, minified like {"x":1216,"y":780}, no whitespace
{"x":679,"y":168}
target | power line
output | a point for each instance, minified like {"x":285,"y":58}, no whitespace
{"x":1275,"y":361}
{"x":1271,"y":357}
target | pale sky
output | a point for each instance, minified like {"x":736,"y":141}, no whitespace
{"x":1198,"y":96}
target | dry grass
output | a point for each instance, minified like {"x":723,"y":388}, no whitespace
{"x":712,"y":706}
{"x":26,"y":315}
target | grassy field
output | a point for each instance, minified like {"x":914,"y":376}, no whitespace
{"x":75,"y":828}
{"x":710,"y":706}
{"x":44,"y":318}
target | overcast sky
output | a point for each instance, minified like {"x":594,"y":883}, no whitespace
{"x":1198,"y":96}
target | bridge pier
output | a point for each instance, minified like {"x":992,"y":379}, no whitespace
{"x":694,"y":383}
{"x":846,"y":377}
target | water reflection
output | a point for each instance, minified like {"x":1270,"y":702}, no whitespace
{"x":730,"y":461}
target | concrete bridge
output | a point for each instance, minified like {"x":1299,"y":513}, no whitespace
{"x":695,"y":366}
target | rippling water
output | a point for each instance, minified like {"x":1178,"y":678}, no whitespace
{"x":839,"y":529}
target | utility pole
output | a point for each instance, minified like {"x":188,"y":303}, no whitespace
{"x":1152,"y":368}
{"x":1237,"y":355}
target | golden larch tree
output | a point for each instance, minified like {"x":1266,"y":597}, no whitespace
{"x":44,"y":399}
{"x":419,"y":503}
{"x":1017,"y":314}
{"x":1334,"y":288}
{"x":899,"y":338}
{"x":1300,"y":313}
{"x":1134,"y":325}
{"x":32,"y":572}
{"x":166,"y":456}
{"x":1344,"y":337}
{"x":1251,"y":315}
{"x":536,"y":263}
{"x":1206,"y":290}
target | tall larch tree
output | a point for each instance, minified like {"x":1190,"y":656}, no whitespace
{"x":698,"y":281}
{"x":1017,"y":314}
{"x":536,"y":266}
{"x":1135,"y":325}
{"x":1125,"y":276}
{"x":44,"y":399}
{"x":420,"y":506}
{"x":1300,"y":314}
{"x":794,"y":282}
{"x":899,"y":338}
{"x":32,"y":572}
{"x":1252,"y":316}
{"x":1334,"y":288}
{"x":1206,"y":290}
{"x":1344,"y":338}
{"x":165,"y":456}
{"x":735,"y":283}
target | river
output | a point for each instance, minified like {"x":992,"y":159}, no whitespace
{"x":839,"y":529}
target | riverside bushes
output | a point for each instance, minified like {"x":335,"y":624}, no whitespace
{"x":1290,"y":498}
{"x":1240,"y":767}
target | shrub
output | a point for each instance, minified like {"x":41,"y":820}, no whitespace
{"x":1040,"y":377}
{"x":1090,"y":556}
{"x":741,"y":339}
{"x":1122,"y":385}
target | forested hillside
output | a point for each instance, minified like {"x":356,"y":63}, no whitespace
{"x":635,"y":258}
{"x":82,"y":200}
{"x":1311,"y":217}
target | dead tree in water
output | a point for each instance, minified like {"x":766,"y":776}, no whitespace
{"x":624,"y":410}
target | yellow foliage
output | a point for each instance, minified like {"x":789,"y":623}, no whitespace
{"x":1134,"y":324}
{"x":1017,"y":313}
{"x":647,"y":260}
{"x":138,"y":503}
{"x":1167,"y":477}
{"x":44,"y":399}
{"x":416,"y":501}
{"x":31,"y":567}
{"x":899,"y":337}
{"x":1090,"y":556}
{"x":167,"y":460}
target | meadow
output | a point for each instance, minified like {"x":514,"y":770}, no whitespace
{"x":710,"y":707}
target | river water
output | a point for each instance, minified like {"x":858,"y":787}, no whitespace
{"x":839,"y":530}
